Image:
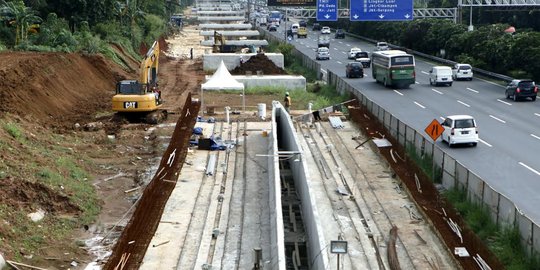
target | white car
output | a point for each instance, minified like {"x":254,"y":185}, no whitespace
{"x":462,"y":71}
{"x":382,"y":46}
{"x":440,"y":75}
{"x":325,"y":30}
{"x":460,"y":129}
{"x":353,"y":51}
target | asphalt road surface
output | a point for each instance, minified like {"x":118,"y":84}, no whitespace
{"x":506,"y":157}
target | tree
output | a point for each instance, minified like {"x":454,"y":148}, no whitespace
{"x":20,"y":16}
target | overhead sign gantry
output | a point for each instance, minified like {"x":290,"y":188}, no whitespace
{"x":381,"y":10}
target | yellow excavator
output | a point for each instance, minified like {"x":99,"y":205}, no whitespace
{"x":140,"y":99}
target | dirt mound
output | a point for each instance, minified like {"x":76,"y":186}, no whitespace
{"x":258,"y":62}
{"x":28,"y":195}
{"x":57,"y":89}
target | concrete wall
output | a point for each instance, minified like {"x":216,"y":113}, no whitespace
{"x":232,"y":60}
{"x":287,"y":82}
{"x":310,"y":214}
{"x":277,"y":252}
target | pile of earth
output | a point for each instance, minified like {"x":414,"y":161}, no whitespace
{"x":57,"y":89}
{"x":258,"y":63}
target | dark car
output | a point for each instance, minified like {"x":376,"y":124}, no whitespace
{"x":354,"y":70}
{"x":302,"y":23}
{"x":316,"y":27}
{"x":272,"y":28}
{"x":523,"y":88}
{"x":340,"y":33}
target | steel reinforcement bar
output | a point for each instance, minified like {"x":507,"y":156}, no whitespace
{"x":129,"y":251}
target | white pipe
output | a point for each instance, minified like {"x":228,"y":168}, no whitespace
{"x":227,"y":112}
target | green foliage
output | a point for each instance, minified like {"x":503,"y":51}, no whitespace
{"x":152,"y":28}
{"x":287,"y":51}
{"x":20,"y":18}
{"x":296,"y":67}
{"x":505,"y":243}
{"x":108,"y":31}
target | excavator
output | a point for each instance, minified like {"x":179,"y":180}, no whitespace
{"x":140,"y":100}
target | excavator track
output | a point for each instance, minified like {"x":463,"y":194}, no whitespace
{"x":154,"y":117}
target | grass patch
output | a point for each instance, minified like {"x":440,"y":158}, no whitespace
{"x":504,"y":242}
{"x":296,"y":67}
{"x":57,"y":167}
{"x":425,"y":163}
{"x":14,"y":130}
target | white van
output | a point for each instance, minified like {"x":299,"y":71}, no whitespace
{"x":294,"y":28}
{"x":440,"y":75}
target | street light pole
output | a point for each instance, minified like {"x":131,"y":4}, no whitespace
{"x":471,"y":27}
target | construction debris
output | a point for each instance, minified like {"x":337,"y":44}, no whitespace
{"x":418,"y":187}
{"x":455,"y":228}
{"x":481,"y":263}
{"x":160,"y":244}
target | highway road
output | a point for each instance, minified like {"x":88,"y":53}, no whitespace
{"x":506,"y":157}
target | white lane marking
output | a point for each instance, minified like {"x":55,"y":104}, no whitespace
{"x":427,"y":73}
{"x":537,"y":114}
{"x":484,"y":142}
{"x":416,"y":82}
{"x":534,"y":136}
{"x":343,"y":52}
{"x":335,"y":49}
{"x":348,"y":45}
{"x":399,"y":93}
{"x":531,"y":169}
{"x":437,"y":91}
{"x":464,"y":104}
{"x":500,"y":120}
{"x":472,"y":90}
{"x":419,"y":105}
{"x":442,"y":118}
{"x":339,"y":62}
{"x":340,"y":42}
{"x":507,"y":103}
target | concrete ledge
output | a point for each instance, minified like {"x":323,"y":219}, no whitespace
{"x":232,"y":60}
{"x":287,"y":82}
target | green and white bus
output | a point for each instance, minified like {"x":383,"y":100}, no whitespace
{"x":393,"y":68}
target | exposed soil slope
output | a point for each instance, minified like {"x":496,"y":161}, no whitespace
{"x":43,"y":96}
{"x":56,"y":89}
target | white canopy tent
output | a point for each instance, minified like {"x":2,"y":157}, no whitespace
{"x":223,"y":80}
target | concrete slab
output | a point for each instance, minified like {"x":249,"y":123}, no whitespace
{"x":217,"y":26}
{"x":217,"y":220}
{"x":243,"y":42}
{"x":231,"y":33}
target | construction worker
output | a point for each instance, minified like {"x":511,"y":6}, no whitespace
{"x":287,"y":102}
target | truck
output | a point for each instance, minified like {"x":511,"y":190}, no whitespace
{"x":302,"y":32}
{"x":323,"y":41}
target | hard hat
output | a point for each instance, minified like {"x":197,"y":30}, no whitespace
{"x":286,"y":93}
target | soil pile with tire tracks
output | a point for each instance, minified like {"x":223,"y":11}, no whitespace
{"x":258,"y":63}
